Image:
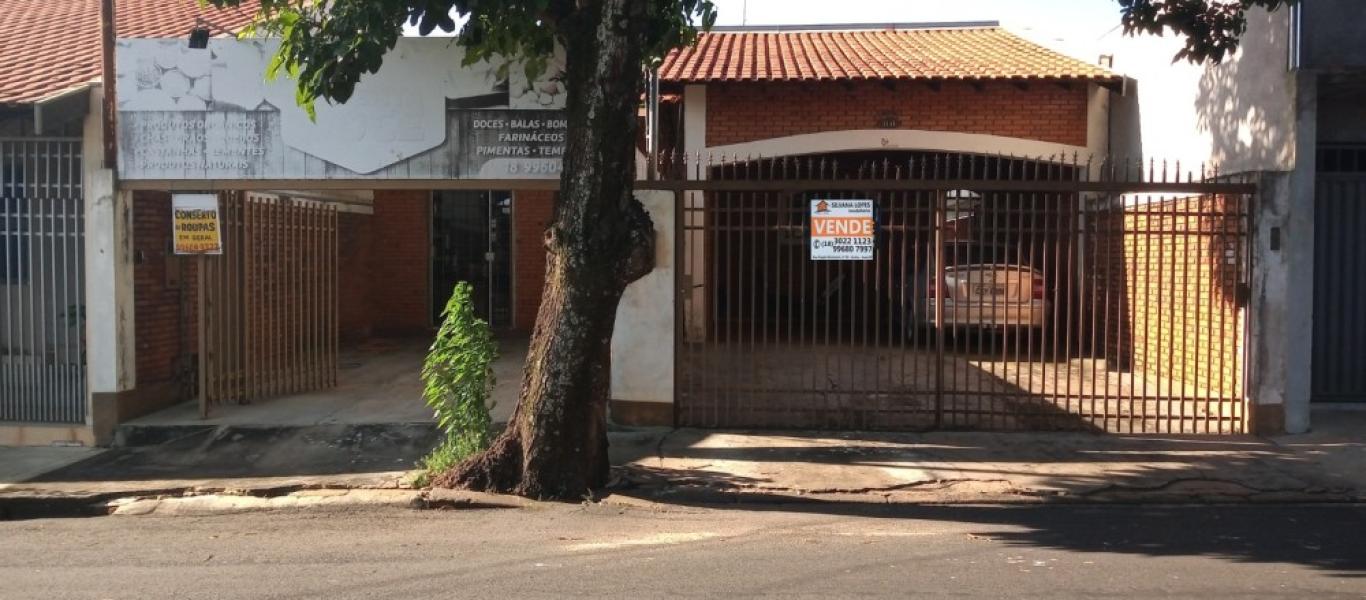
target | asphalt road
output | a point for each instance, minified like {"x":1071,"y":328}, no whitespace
{"x":796,"y":551}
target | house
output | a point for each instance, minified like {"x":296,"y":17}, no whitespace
{"x":65,"y":281}
{"x":1009,"y":273}
{"x":1006,"y":118}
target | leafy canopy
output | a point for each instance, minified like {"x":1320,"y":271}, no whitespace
{"x":327,"y":46}
{"x":1211,"y":27}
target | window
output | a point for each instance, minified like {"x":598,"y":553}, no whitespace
{"x":1342,"y":158}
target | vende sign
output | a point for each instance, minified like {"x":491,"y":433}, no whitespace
{"x":842,"y":230}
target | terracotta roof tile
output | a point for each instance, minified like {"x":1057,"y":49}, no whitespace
{"x":950,"y":53}
{"x":50,"y":46}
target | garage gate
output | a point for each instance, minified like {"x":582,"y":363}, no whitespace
{"x":1001,"y":294}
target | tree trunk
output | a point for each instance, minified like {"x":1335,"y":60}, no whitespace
{"x":601,"y":239}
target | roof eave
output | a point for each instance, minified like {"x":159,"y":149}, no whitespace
{"x":1107,"y":81}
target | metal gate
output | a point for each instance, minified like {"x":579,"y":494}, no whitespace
{"x":1002,"y":294}
{"x":268,"y":304}
{"x":42,"y":281}
{"x":1339,"y":273}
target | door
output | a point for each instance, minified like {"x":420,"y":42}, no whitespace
{"x":471,"y":241}
{"x":1339,"y":272}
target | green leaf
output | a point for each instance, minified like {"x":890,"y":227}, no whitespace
{"x":457,"y":380}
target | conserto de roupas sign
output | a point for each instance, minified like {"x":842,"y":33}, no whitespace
{"x":196,"y":114}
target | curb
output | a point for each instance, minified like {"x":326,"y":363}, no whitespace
{"x":220,"y":503}
{"x":199,"y":501}
{"x":189,"y":501}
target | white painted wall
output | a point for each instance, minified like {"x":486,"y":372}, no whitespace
{"x":1097,"y":120}
{"x":695,"y":273}
{"x":211,"y":114}
{"x":110,"y":344}
{"x":1239,"y":115}
{"x":643,"y":339}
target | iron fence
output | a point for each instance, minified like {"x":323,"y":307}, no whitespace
{"x":996,"y":293}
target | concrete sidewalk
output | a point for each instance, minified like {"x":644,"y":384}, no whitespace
{"x":686,"y":466}
{"x":18,"y":465}
{"x":709,"y":466}
{"x":379,"y":383}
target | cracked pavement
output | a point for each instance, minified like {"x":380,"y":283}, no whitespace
{"x":688,"y":466}
{"x":948,"y":467}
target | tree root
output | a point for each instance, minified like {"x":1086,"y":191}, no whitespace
{"x":496,"y":470}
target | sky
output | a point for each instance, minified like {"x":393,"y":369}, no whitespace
{"x":1072,"y":26}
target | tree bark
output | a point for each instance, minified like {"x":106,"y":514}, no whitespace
{"x":601,"y":239}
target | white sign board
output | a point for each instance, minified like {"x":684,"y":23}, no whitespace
{"x":842,"y":230}
{"x":195,"y":226}
{"x":200,"y":114}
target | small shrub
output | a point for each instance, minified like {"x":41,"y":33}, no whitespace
{"x":457,"y":379}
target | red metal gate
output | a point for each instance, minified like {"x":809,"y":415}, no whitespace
{"x":1001,"y":294}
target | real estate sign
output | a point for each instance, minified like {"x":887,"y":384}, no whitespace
{"x":842,"y":230}
{"x":195,"y":225}
{"x":210,"y":114}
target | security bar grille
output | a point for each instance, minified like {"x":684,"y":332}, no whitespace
{"x":42,"y":282}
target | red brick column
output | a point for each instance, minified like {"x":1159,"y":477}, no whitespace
{"x":400,"y":275}
{"x":531,"y":215}
{"x":164,"y":293}
{"x":356,"y":299}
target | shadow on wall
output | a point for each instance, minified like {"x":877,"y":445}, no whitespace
{"x":1246,"y":105}
{"x":1126,"y":122}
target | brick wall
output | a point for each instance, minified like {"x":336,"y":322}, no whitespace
{"x":356,"y":304}
{"x":400,"y":273}
{"x":531,"y":214}
{"x":744,"y":112}
{"x":164,"y":296}
{"x":1174,"y":274}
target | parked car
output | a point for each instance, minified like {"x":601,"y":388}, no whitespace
{"x":984,"y":286}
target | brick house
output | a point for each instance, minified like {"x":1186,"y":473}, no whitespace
{"x":848,"y":95}
{"x":742,"y":87}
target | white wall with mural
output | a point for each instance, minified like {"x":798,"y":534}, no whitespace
{"x":211,"y":113}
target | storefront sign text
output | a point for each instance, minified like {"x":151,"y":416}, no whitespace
{"x":195,"y":225}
